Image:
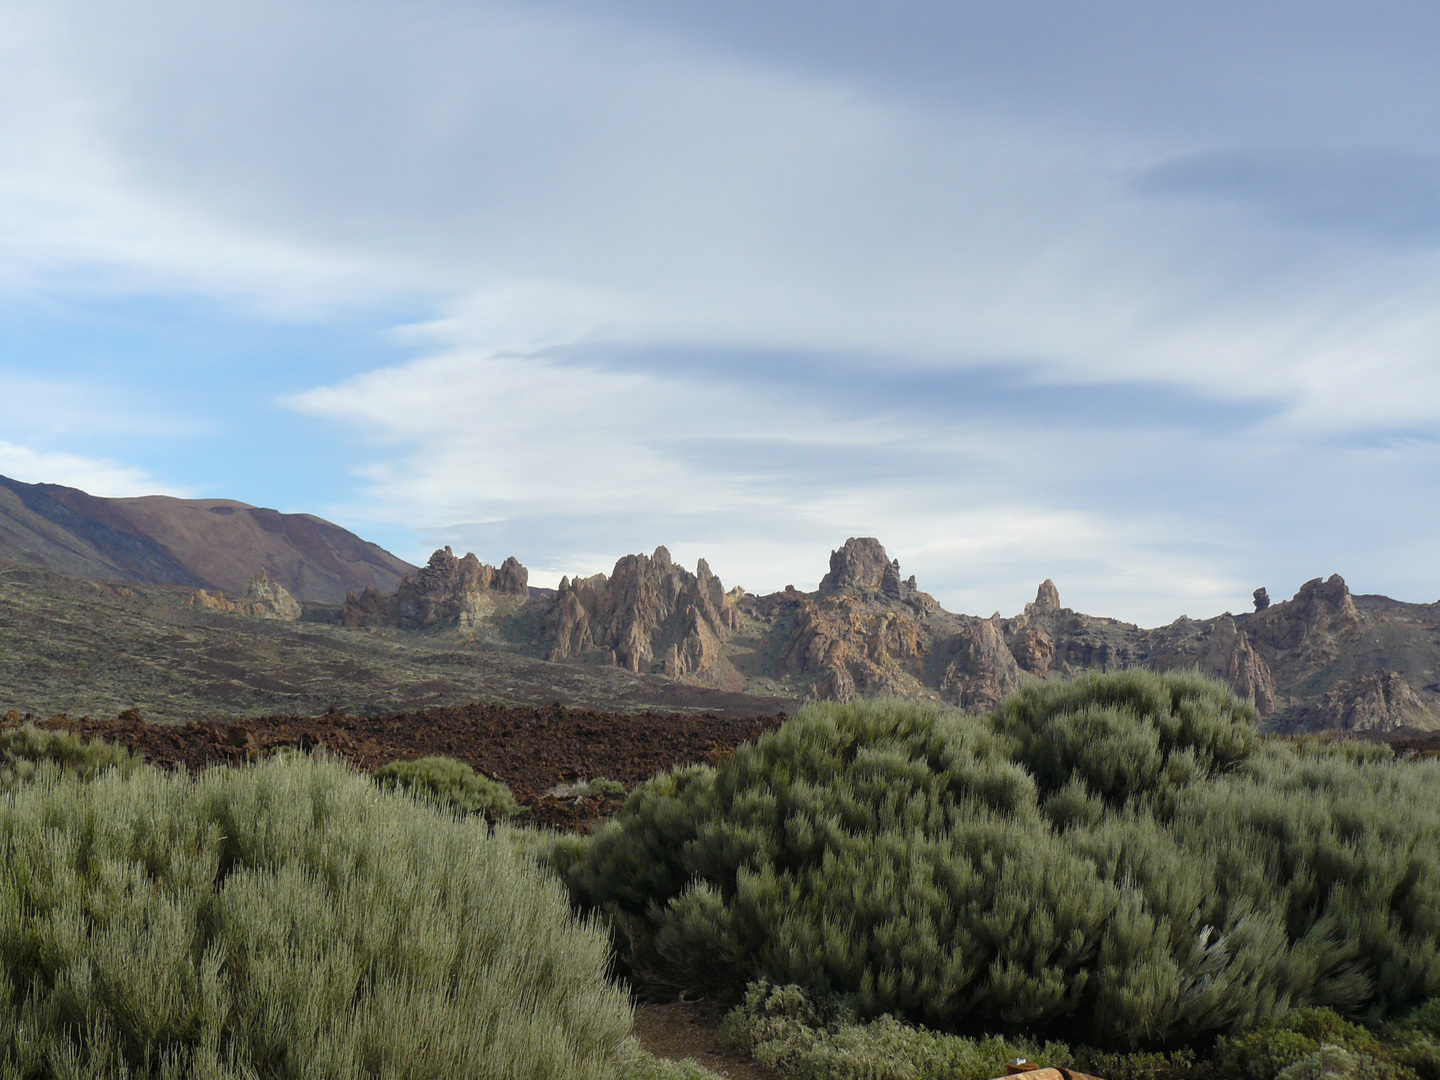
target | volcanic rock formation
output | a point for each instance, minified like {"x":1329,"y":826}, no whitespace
{"x":984,"y":670}
{"x":265,"y":598}
{"x":447,"y":592}
{"x":650,"y":614}
{"x":1377,"y":702}
{"x":861,"y":632}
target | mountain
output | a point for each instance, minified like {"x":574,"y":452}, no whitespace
{"x":204,"y":543}
{"x":1323,"y":660}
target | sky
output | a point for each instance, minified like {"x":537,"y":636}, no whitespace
{"x":1144,"y":298}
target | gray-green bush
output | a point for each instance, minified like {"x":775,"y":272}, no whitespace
{"x":451,"y":784}
{"x":285,"y":920}
{"x":23,"y":750}
{"x":1118,"y":860}
{"x":784,"y":1029}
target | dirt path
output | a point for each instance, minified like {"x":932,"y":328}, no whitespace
{"x":685,"y":1030}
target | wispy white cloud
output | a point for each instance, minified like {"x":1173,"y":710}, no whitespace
{"x":98,"y":476}
{"x":554,"y":182}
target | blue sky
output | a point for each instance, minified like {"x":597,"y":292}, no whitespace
{"x":1141,"y":297}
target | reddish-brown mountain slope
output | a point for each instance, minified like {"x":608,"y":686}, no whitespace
{"x":214,"y":543}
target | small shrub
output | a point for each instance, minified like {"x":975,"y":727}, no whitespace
{"x":450,"y":784}
{"x":1308,"y":1044}
{"x":25,"y":748}
{"x":785,"y":1030}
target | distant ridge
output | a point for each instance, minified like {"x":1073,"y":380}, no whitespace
{"x":205,"y":543}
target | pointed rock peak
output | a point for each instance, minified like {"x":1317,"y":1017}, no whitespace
{"x":564,"y":584}
{"x":702,"y":570}
{"x":661,"y":556}
{"x":1332,"y":591}
{"x":1047,"y":597}
{"x":861,"y":565}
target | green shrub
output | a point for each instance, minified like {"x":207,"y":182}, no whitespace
{"x":285,"y":920}
{"x":785,"y":1031}
{"x":451,"y":784}
{"x":1118,"y":860}
{"x":1308,"y":1044}
{"x":646,"y":1067}
{"x":26,"y":749}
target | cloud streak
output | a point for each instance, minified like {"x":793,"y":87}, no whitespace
{"x":1111,"y":292}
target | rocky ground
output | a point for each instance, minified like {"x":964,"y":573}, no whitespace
{"x":80,"y":647}
{"x":652,"y":634}
{"x":543,"y":754}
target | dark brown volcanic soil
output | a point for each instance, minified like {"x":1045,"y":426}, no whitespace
{"x":529,"y":749}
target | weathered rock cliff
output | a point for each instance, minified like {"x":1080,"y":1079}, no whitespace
{"x":649,"y":614}
{"x":447,"y":592}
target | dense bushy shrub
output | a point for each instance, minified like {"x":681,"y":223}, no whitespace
{"x":1117,"y":860}
{"x":451,"y":784}
{"x":285,"y":920}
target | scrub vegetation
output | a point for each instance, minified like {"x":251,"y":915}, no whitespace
{"x":1118,"y":860}
{"x":1114,"y":874}
{"x":284,"y":920}
{"x":449,"y":784}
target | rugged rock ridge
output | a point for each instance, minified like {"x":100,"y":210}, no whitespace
{"x":1319,"y":659}
{"x":984,"y":670}
{"x":448,"y":591}
{"x":1378,"y":702}
{"x":650,"y":614}
{"x":860,"y":633}
{"x":265,"y":598}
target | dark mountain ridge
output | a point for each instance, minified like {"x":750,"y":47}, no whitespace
{"x":204,"y":543}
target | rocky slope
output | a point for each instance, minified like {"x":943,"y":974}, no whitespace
{"x":204,"y":543}
{"x":1321,"y":660}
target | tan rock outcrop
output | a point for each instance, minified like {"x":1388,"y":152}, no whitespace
{"x":1233,"y":658}
{"x":650,"y":613}
{"x":1378,"y":702}
{"x":265,"y":598}
{"x":448,"y":591}
{"x":984,"y":671}
{"x":1033,"y":650}
{"x":1047,"y":596}
{"x":1310,"y":628}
